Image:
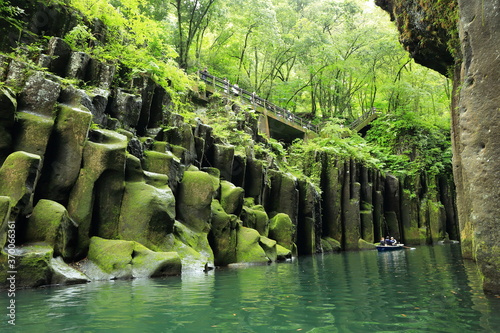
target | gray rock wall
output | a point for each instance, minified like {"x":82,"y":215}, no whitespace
{"x":476,"y":134}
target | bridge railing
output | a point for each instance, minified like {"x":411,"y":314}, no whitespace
{"x":252,"y":98}
{"x":363,"y":117}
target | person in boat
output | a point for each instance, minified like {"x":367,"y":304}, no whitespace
{"x":382,"y":241}
{"x":387,"y":240}
{"x":394,"y":241}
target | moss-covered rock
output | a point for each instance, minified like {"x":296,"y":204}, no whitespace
{"x":39,"y":95}
{"x":165,"y":163}
{"x":105,"y":152}
{"x":194,"y":199}
{"x":192,"y":246}
{"x":126,"y":108}
{"x":254,"y":178}
{"x":51,"y":224}
{"x":248,"y":249}
{"x":364,"y":245}
{"x":223,"y":160}
{"x":231,"y":197}
{"x":330,"y":245}
{"x":222,"y":235}
{"x":281,"y":229}
{"x":256,"y":217}
{"x":64,"y":158}
{"x":32,"y":264}
{"x":283,"y":254}
{"x":32,"y":132}
{"x":283,"y":195}
{"x":147,"y":214}
{"x":18,"y":178}
{"x":120,"y":259}
{"x":270,"y":248}
{"x":5,"y":207}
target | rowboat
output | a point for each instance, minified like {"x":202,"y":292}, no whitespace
{"x":382,"y":248}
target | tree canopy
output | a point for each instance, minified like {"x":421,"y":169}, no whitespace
{"x":326,"y":58}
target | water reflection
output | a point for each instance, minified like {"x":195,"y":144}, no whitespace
{"x":428,"y":289}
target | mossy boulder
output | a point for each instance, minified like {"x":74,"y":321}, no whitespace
{"x":248,"y":249}
{"x":66,"y":150}
{"x":192,"y":246}
{"x":364,"y":245}
{"x":105,"y":151}
{"x":51,"y":224}
{"x":281,"y":229}
{"x":32,"y":132}
{"x":18,"y":178}
{"x":165,"y":163}
{"x":194,"y":199}
{"x":147,"y":214}
{"x":32,"y":264}
{"x":120,"y":259}
{"x":283,"y":254}
{"x":256,"y":217}
{"x":330,"y":245}
{"x":222,"y":235}
{"x":270,"y":248}
{"x":231,"y":197}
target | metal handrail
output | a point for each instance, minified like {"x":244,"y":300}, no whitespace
{"x":362,"y":118}
{"x":252,"y":98}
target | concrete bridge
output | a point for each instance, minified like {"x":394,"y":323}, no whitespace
{"x":274,"y":121}
{"x":362,"y":124}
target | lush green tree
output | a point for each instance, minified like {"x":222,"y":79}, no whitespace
{"x":191,"y":16}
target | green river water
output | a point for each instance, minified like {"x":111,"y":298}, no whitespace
{"x":427,"y":289}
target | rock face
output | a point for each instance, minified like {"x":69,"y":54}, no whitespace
{"x":475,"y":117}
{"x":476,"y":134}
{"x":110,"y":179}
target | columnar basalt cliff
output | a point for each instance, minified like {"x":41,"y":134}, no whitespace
{"x":475,"y":109}
{"x":100,"y":179}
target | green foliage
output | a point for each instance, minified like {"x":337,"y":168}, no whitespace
{"x":134,"y":38}
{"x":9,"y":14}
{"x":79,"y":38}
{"x":407,"y":144}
